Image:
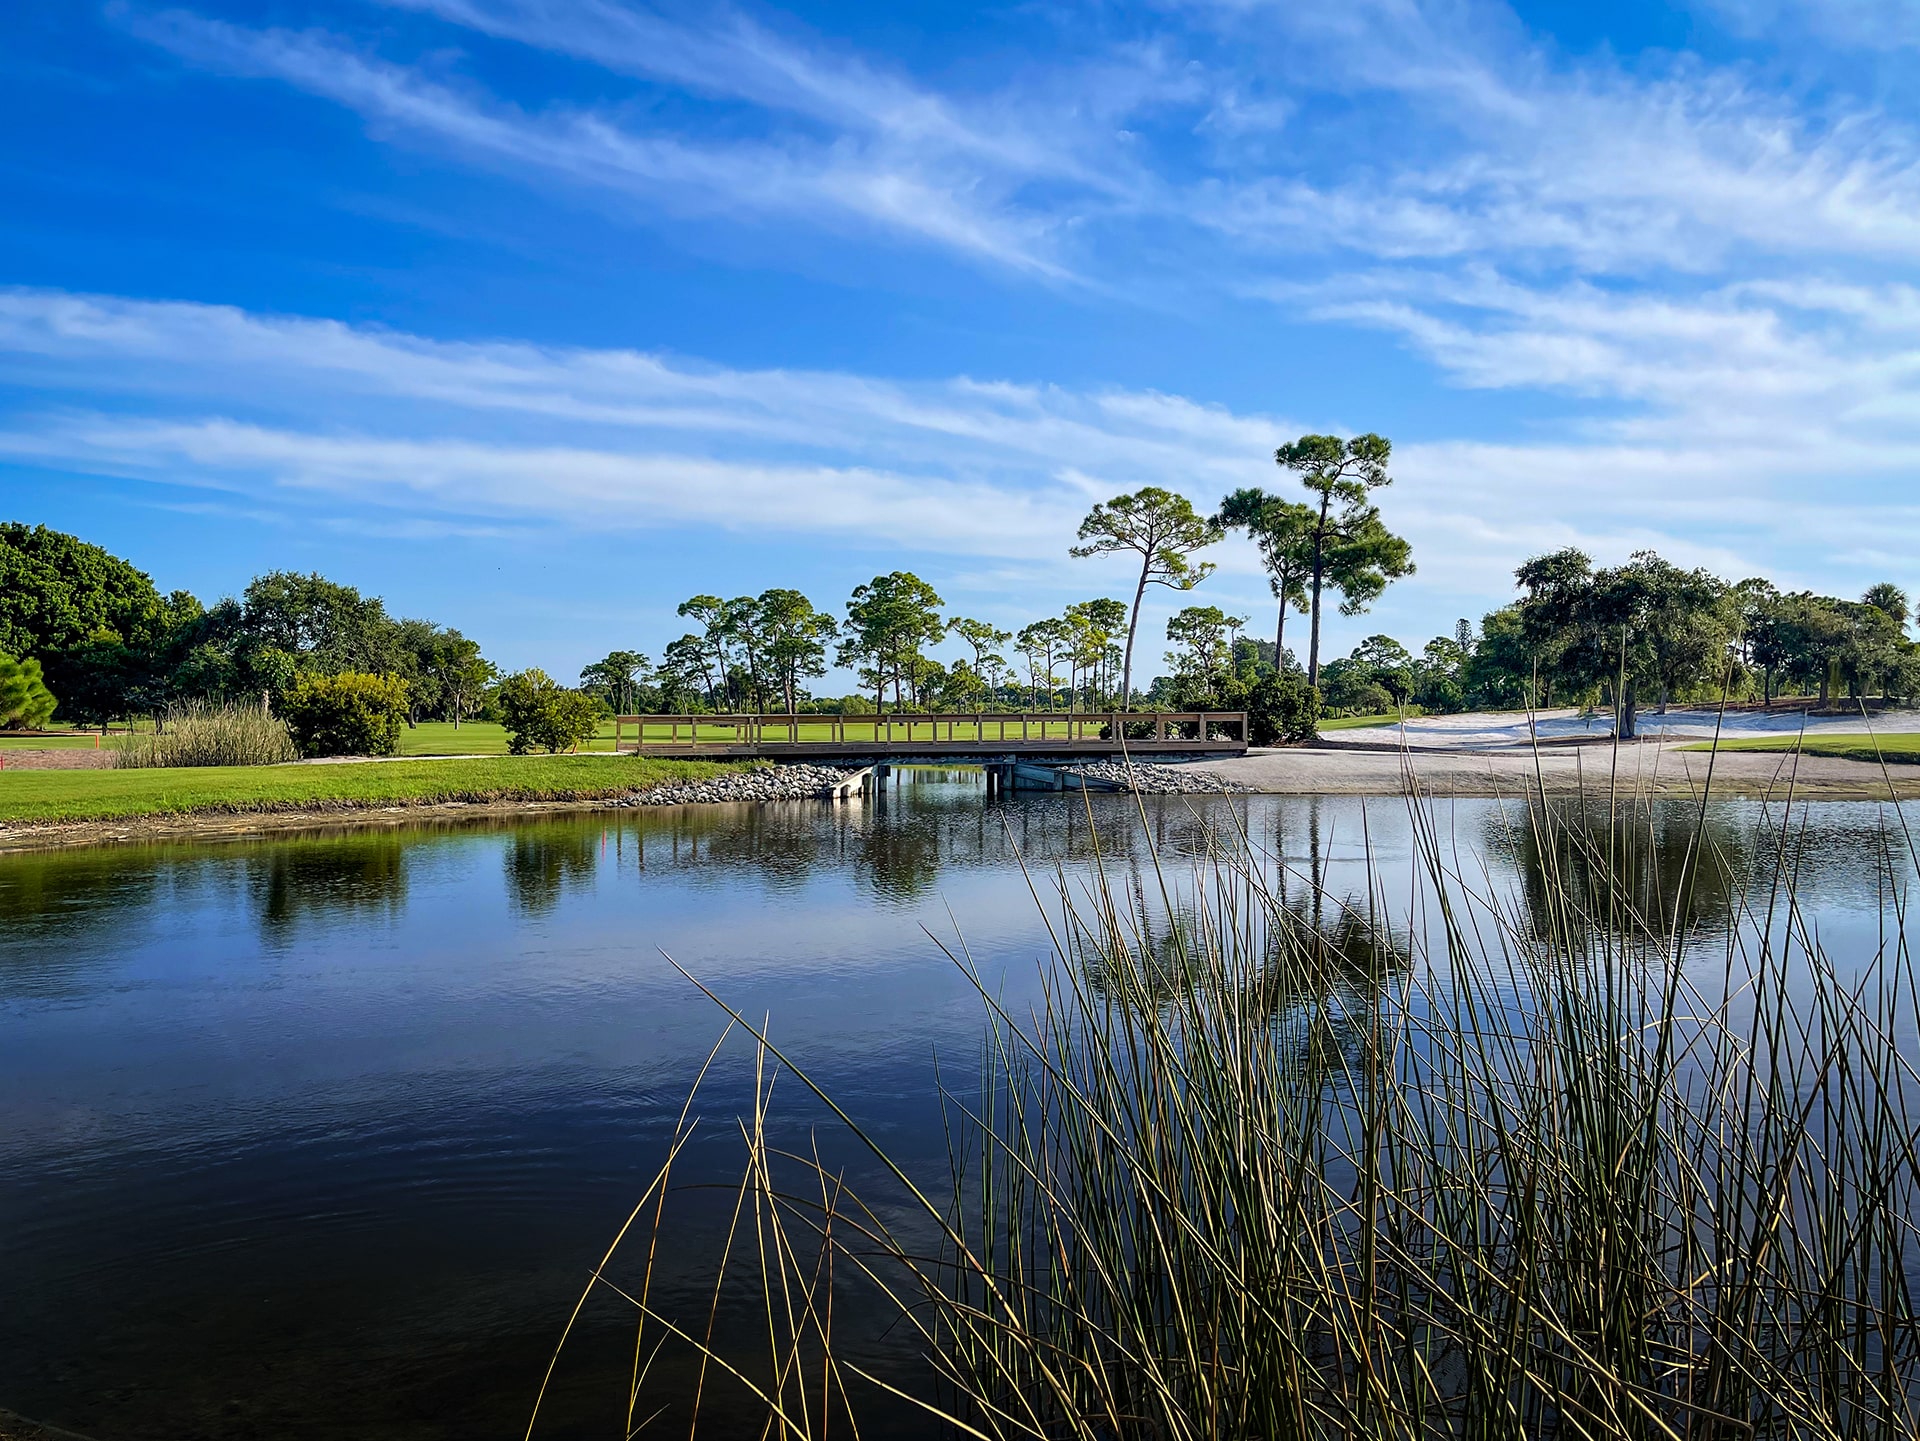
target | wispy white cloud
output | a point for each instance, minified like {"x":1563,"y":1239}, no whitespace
{"x":719,"y":51}
{"x":827,"y":182}
{"x":1509,"y":153}
{"x":591,"y":437}
{"x":1873,"y":24}
{"x":492,"y":434}
{"x":1502,"y":151}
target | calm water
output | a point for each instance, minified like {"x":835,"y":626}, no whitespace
{"x":317,"y":1137}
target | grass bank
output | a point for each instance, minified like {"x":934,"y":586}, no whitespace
{"x":1895,"y":749}
{"x":1358,"y":722}
{"x":53,"y":796}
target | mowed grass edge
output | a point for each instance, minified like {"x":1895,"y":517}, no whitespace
{"x":98,"y":795}
{"x":1901,"y":748}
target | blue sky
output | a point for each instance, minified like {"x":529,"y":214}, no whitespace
{"x":538,"y":316}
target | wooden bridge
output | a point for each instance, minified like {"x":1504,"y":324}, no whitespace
{"x":1024,"y":735}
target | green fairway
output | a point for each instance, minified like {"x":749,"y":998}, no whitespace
{"x":1896,"y":749}
{"x":1356,"y":722}
{"x":475,"y":738}
{"x":71,"y":740}
{"x":118,"y":795}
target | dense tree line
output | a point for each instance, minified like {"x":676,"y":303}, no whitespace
{"x":83,"y":626}
{"x":110,"y":646}
{"x":1646,"y":631}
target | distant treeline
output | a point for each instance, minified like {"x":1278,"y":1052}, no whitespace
{"x":109,"y":645}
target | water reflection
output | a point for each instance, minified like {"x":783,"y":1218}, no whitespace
{"x":319,"y":880}
{"x":548,"y":858}
{"x":1694,"y":876}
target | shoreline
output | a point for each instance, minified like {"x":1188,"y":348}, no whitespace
{"x":1648,"y":770}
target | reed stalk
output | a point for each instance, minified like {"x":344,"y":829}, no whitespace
{"x":1553,"y":1161}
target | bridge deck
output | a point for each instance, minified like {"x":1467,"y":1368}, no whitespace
{"x":1037,"y":734}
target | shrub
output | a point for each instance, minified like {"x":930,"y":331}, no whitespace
{"x":538,"y":712}
{"x":202,"y":734}
{"x":349,"y":714}
{"x":1282,"y":709}
{"x":24,"y":698}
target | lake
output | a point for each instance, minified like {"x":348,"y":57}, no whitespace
{"x":319,"y":1136}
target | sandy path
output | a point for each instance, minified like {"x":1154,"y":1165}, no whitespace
{"x":1647,"y":768}
{"x":1488,"y":730}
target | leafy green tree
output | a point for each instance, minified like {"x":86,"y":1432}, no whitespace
{"x":1388,"y":664}
{"x":461,"y":672}
{"x":327,"y":627}
{"x":1890,"y":601}
{"x":890,"y":621}
{"x":537,"y":712}
{"x":1441,"y":673}
{"x":1761,"y":611}
{"x":1647,"y":623}
{"x":716,"y":624}
{"x":963,"y":688}
{"x":348,"y":714}
{"x":1499,"y":671}
{"x":794,"y":639}
{"x":1163,"y":530}
{"x":617,"y":678}
{"x":97,"y":625}
{"x":1874,"y":651}
{"x":684,"y":677}
{"x":1284,"y":532}
{"x":25,"y":701}
{"x":1349,"y":687}
{"x":1352,"y":550}
{"x":1042,"y":644}
{"x":1091,"y":627}
{"x":1202,"y":633}
{"x":985,"y":639}
{"x":1282,"y":709}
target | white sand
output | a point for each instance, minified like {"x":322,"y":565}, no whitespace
{"x":1505,"y":729}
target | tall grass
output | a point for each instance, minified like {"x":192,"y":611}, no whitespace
{"x":202,"y":733}
{"x":1261,"y":1164}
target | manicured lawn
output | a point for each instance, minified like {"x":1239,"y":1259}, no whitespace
{"x":117,"y":795}
{"x":474,"y":738}
{"x":76,"y":740}
{"x":1356,"y":722}
{"x":1896,"y":749}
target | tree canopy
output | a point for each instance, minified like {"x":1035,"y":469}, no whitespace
{"x":1164,"y":530}
{"x":25,"y":701}
{"x":1349,"y":546}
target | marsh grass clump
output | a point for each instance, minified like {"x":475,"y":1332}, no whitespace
{"x":204,"y":733}
{"x":1261,"y":1165}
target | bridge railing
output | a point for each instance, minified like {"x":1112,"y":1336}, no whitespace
{"x":1029,"y":729}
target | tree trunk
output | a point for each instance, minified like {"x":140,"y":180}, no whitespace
{"x":1826,"y":684}
{"x":1319,"y":573}
{"x":1280,"y":639}
{"x":1133,"y":625}
{"x":1626,"y":728}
